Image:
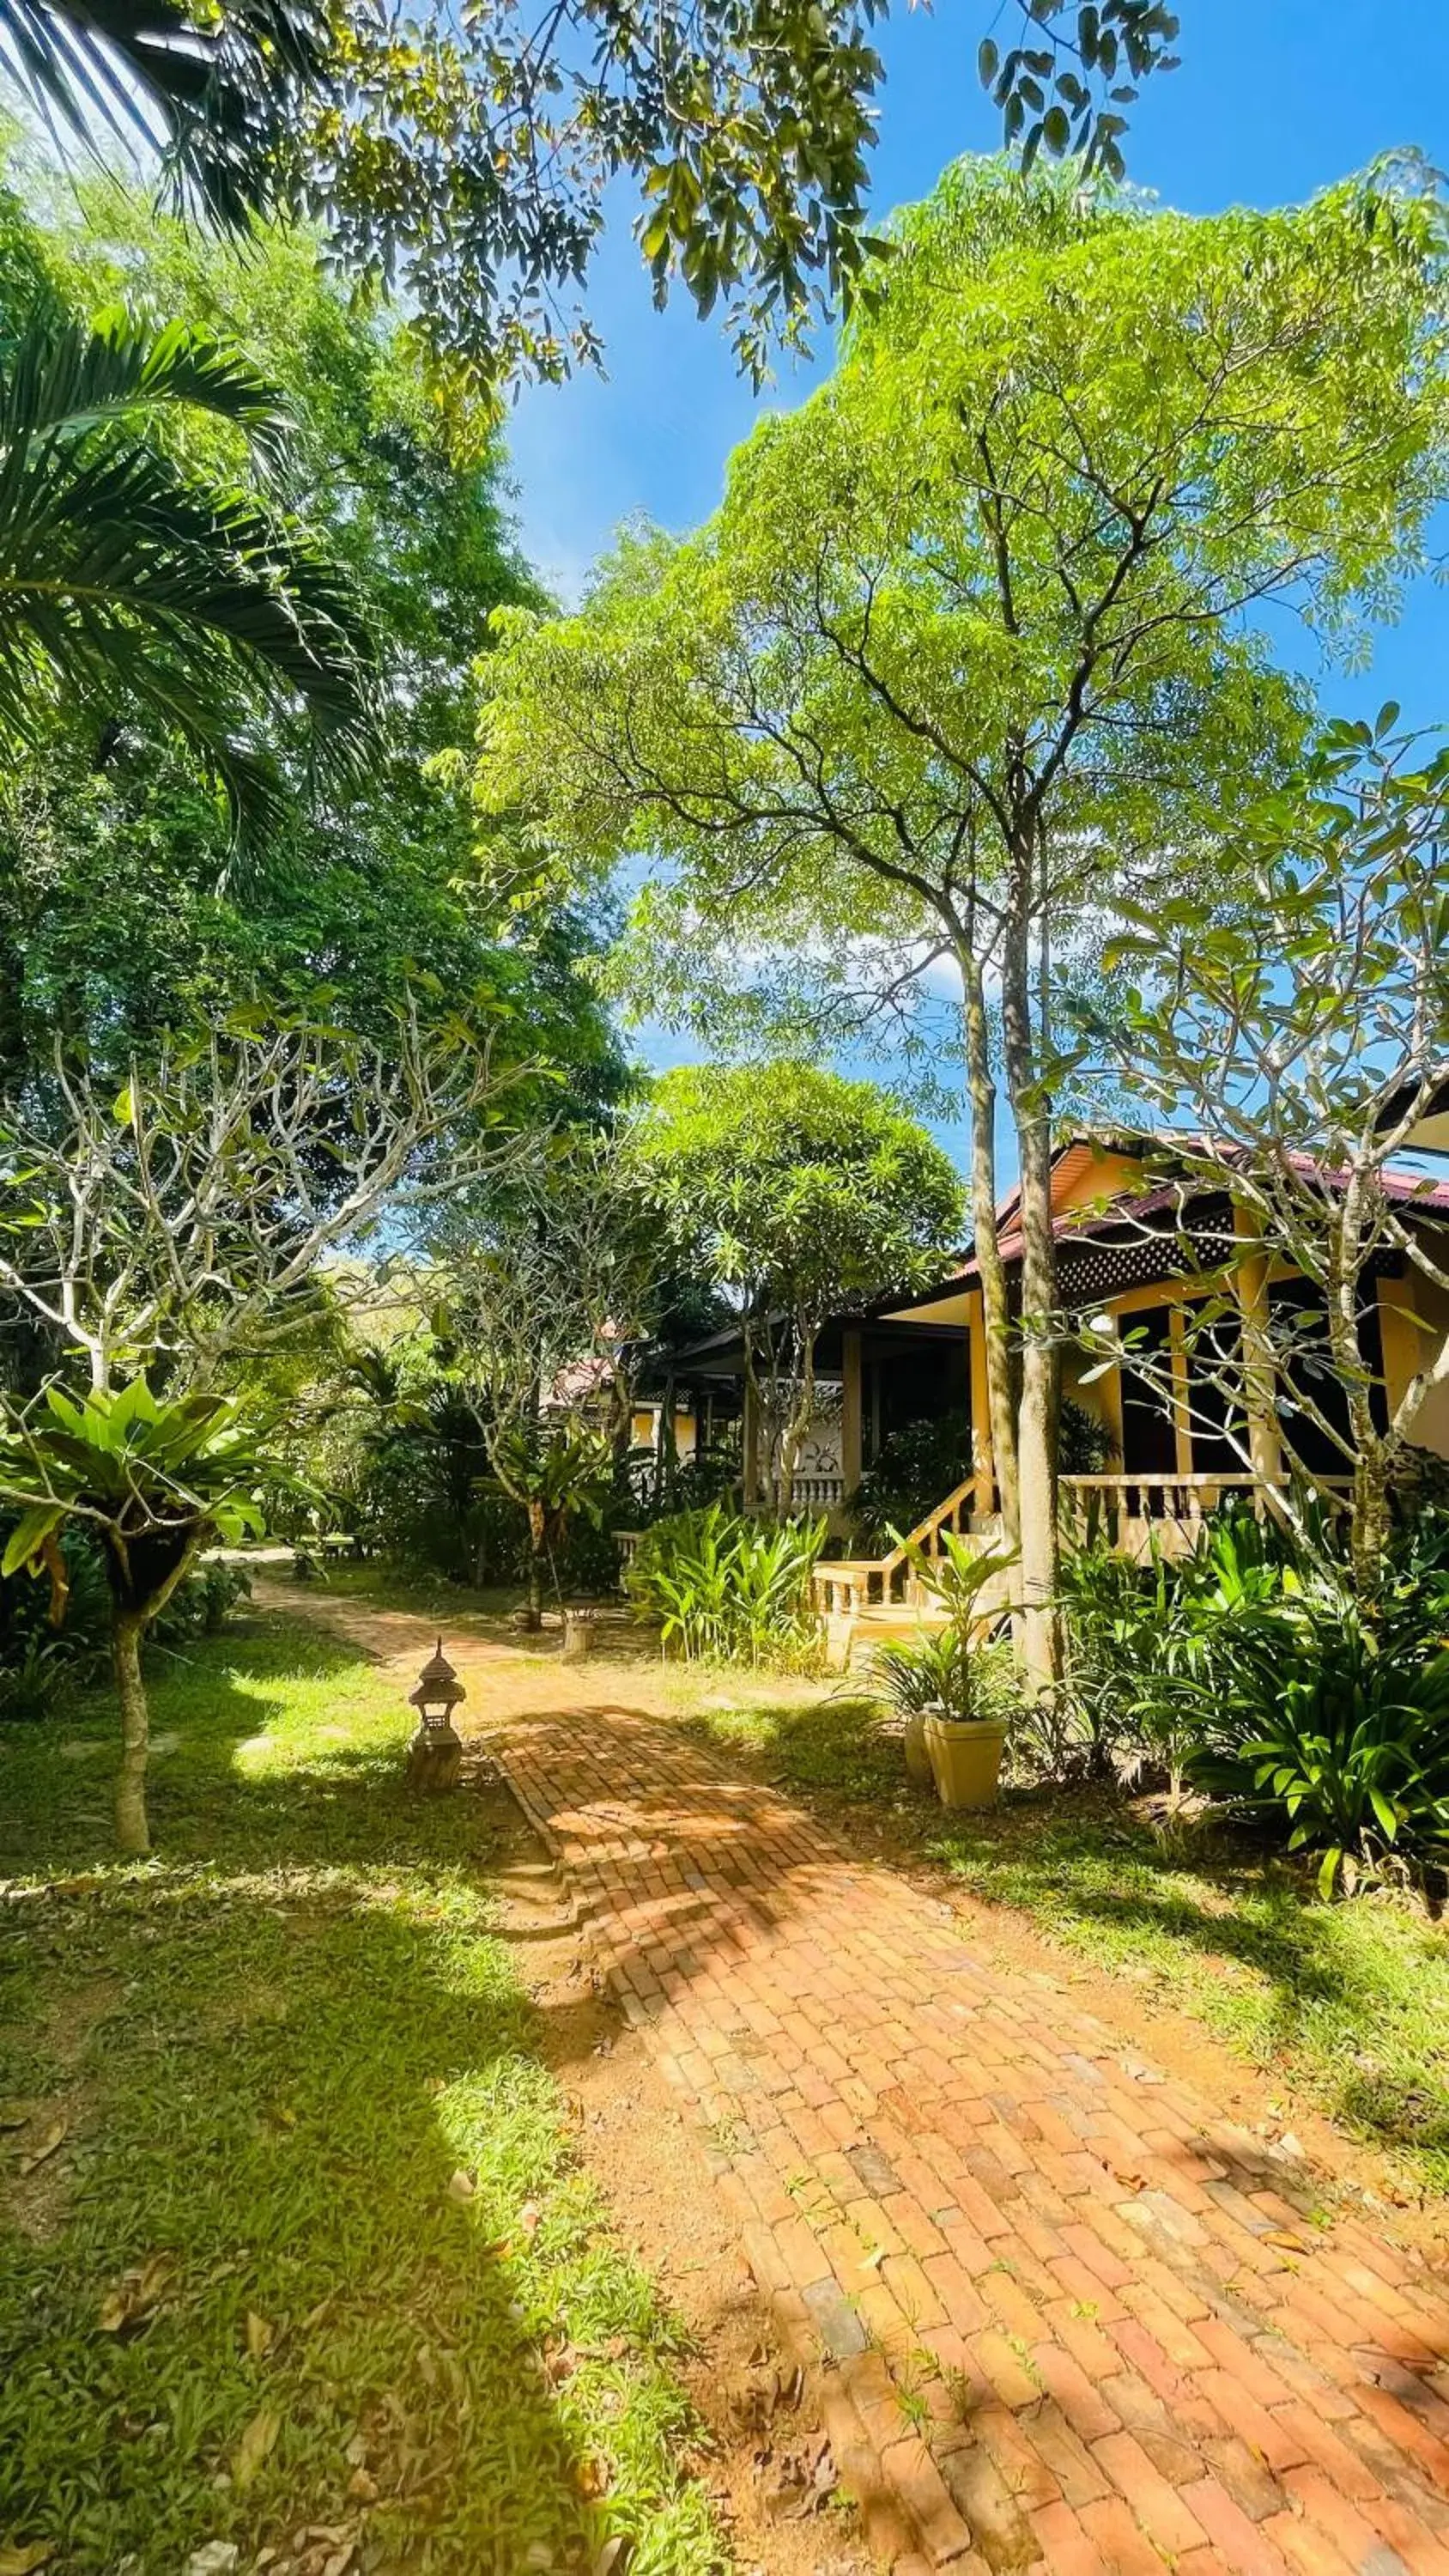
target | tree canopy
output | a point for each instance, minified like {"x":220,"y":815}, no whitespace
{"x":972,"y":642}
{"x":804,"y":1192}
{"x":125,"y":909}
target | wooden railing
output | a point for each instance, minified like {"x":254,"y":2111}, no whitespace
{"x":1132,"y":1513}
{"x":844,"y":1585}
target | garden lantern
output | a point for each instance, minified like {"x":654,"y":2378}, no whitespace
{"x":435,"y":1754}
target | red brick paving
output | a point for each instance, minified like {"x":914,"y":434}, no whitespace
{"x":1071,"y":2320}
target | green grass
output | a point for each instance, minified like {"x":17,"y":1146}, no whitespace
{"x":1349,"y":2001}
{"x":275,"y":2045}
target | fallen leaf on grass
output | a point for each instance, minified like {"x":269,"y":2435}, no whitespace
{"x":136,"y":2296}
{"x":592,"y":2478}
{"x":54,"y":2137}
{"x":23,"y":2557}
{"x":256,"y":2446}
{"x":529,"y":2216}
{"x":260,"y":2335}
{"x":362,"y":2487}
{"x":462,"y":2186}
{"x":16,"y":2115}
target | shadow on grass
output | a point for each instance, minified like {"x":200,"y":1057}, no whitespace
{"x":305,"y":2031}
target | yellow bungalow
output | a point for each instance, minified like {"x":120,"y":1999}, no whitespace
{"x":1120,"y":1250}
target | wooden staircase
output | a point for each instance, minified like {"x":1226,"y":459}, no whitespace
{"x":865,"y":1602}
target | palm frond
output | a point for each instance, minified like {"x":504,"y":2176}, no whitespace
{"x":69,"y":377}
{"x":122,"y":573}
{"x":215,"y":93}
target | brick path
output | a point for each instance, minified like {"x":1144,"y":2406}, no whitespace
{"x":1072,"y":2321}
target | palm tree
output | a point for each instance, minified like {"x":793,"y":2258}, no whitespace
{"x":127,"y":576}
{"x":213,"y":92}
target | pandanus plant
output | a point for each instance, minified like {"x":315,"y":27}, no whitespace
{"x":156,"y":1480}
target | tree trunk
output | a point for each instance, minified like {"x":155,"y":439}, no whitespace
{"x":533,"y":1602}
{"x":1369,"y":1520}
{"x":996,"y":1314}
{"x":1041,"y":1361}
{"x":133,"y":1835}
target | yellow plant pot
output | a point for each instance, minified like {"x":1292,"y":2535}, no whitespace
{"x":966,"y":1759}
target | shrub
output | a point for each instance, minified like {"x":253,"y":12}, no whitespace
{"x":1344,"y":1737}
{"x":728,"y":1589}
{"x":35,"y":1683}
{"x":202,"y":1602}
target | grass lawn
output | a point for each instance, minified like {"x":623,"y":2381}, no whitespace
{"x":242,"y":2296}
{"x":1350,"y":2001}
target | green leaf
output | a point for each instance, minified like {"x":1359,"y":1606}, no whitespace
{"x":23,"y":1546}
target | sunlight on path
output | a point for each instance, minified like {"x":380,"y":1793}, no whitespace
{"x":1078,"y":2322}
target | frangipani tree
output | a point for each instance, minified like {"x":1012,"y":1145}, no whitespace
{"x":804,"y":1192}
{"x":968,"y":652}
{"x":154,"y":1243}
{"x":1296,"y":1042}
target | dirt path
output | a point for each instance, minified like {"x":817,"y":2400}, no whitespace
{"x":1066,"y":2316}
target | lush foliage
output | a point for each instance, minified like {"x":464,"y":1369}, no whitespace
{"x":273,"y":2054}
{"x":728,"y":1589}
{"x":1250,"y":1669}
{"x":124,"y":913}
{"x":466,"y":160}
{"x":124,"y":575}
{"x":915,"y":1468}
{"x":804,"y":1192}
{"x":1071,"y":450}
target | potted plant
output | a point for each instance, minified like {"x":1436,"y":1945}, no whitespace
{"x":956,"y":1684}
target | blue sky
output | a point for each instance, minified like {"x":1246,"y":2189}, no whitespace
{"x":1275,"y":98}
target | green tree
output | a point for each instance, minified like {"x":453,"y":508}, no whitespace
{"x":806,"y":1192}
{"x":123,"y":908}
{"x":464,"y":158}
{"x":123,"y":572}
{"x":968,"y":651}
{"x":175,"y":1232}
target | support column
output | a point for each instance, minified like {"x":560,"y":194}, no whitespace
{"x":982,"y":1458}
{"x":750,"y":1451}
{"x":851,"y":1424}
{"x":1260,"y":1391}
{"x":1404,"y":1343}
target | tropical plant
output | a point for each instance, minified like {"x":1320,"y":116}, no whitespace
{"x":946,"y":1671}
{"x":126,"y":577}
{"x":215,"y":94}
{"x":956,"y":1573}
{"x":1346,"y":1742}
{"x":557,"y":1473}
{"x":1151,"y":1644}
{"x":728,"y":1589}
{"x":155,"y":1480}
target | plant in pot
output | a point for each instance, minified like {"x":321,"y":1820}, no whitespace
{"x":955,"y":1682}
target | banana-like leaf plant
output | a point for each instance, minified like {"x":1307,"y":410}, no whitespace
{"x":156,"y":1480}
{"x":127,"y":577}
{"x":555,"y":1476}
